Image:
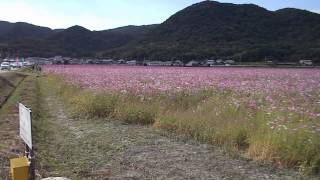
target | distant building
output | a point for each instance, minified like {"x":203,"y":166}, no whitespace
{"x":209,"y":63}
{"x":177,"y":63}
{"x":107,"y":61}
{"x":58,"y":60}
{"x":154,"y":63}
{"x":121,"y":61}
{"x":74,"y":61}
{"x":167,"y":63}
{"x":286,"y":64}
{"x":192,"y":63}
{"x":306,"y":62}
{"x":270,"y":62}
{"x":132,"y":63}
{"x":219,"y":61}
{"x":158,"y":63}
{"x":229,"y":62}
{"x":89,"y":61}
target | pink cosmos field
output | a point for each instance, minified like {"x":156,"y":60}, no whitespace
{"x":141,"y":79}
{"x":294,"y":93}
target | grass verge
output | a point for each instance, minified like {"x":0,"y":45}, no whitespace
{"x":8,"y":82}
{"x":11,"y":144}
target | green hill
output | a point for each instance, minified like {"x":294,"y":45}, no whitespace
{"x":208,"y":29}
{"x":221,"y":30}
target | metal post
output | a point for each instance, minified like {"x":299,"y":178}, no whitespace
{"x":32,"y":172}
{"x":30,"y":156}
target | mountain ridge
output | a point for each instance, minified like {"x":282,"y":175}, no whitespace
{"x":208,"y":29}
{"x":224,"y":30}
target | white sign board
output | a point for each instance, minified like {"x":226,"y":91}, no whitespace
{"x":25,"y":124}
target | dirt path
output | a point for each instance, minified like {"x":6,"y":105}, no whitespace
{"x":100,"y":149}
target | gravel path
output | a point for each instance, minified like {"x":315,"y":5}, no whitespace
{"x":100,"y":149}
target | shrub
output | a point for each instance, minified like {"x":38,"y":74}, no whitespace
{"x":136,"y":113}
{"x":94,"y":105}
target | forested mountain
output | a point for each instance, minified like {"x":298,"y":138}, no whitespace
{"x":204,"y":30}
{"x":75,"y":41}
{"x":13,"y":31}
{"x":242,"y":32}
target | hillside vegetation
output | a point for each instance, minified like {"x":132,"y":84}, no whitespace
{"x":204,"y":30}
{"x":242,"y":32}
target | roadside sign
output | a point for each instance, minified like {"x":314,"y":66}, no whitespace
{"x":25,"y":125}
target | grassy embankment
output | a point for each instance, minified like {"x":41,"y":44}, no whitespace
{"x":208,"y":116}
{"x":8,"y":82}
{"x":14,"y":87}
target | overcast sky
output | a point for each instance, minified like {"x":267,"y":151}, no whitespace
{"x":106,"y":14}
